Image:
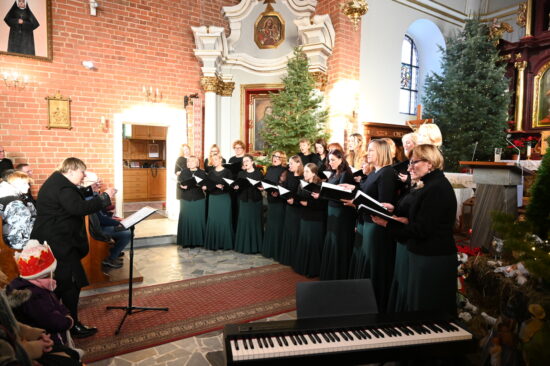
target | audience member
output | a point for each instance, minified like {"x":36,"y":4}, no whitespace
{"x":5,"y":163}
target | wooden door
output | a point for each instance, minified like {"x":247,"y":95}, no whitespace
{"x":156,"y":182}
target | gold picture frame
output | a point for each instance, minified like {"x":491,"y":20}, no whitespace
{"x":541,"y":97}
{"x":59,"y":112}
{"x":36,"y":43}
{"x":269,"y":29}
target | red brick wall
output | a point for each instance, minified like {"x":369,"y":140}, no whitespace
{"x":345,"y":60}
{"x":132,"y":43}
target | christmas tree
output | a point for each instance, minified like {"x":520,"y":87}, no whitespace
{"x":469,"y":99}
{"x":297,"y":111}
{"x":538,"y":211}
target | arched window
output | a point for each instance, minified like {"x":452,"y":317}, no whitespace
{"x":409,"y":77}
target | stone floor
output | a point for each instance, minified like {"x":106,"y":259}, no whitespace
{"x":172,"y":263}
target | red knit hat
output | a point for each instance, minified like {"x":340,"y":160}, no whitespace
{"x":35,"y":260}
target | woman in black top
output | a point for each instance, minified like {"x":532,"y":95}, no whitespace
{"x":192,"y":219}
{"x":214,"y":150}
{"x":322,"y":154}
{"x":291,"y":230}
{"x":276,"y":175}
{"x":219,"y":227}
{"x":181,"y":164}
{"x":313,"y":212}
{"x":305,"y":153}
{"x":236,"y":165}
{"x":248,"y":238}
{"x":428,"y":232}
{"x":376,"y":256}
{"x":340,"y":224}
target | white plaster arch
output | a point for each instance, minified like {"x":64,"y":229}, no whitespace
{"x":151,"y":114}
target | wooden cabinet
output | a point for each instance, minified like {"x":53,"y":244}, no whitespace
{"x":125,"y":147}
{"x":144,"y":184}
{"x":148,"y":132}
{"x":138,"y":150}
{"x":156,"y":184}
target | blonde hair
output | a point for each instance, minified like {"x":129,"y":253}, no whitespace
{"x":355,"y":156}
{"x":429,"y":153}
{"x":71,"y":164}
{"x":210,"y":153}
{"x":297,"y":160}
{"x":182,"y":147}
{"x":304,"y":141}
{"x":383,"y":152}
{"x":16,"y":174}
{"x":193,"y":157}
{"x":429,"y":133}
{"x":391,"y":144}
{"x":283,"y":157}
{"x":413,"y":136}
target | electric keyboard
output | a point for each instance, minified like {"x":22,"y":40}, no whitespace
{"x":347,"y":340}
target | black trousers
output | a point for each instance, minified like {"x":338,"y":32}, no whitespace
{"x":69,"y":295}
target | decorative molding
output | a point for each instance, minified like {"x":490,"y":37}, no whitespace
{"x":521,"y":19}
{"x":210,"y":83}
{"x":520,"y":86}
{"x":225,"y":89}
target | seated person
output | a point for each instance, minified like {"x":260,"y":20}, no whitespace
{"x":17,"y":211}
{"x":38,"y":306}
{"x":25,"y":168}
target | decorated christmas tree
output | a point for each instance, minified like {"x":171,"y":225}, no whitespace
{"x":469,"y":99}
{"x":297,"y":109}
{"x":538,"y":211}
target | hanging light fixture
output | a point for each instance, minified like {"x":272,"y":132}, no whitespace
{"x":354,"y":10}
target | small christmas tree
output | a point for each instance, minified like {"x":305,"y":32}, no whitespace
{"x":297,"y":111}
{"x":469,"y":99}
{"x":538,"y":211}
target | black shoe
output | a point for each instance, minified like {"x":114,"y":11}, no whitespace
{"x":113,"y":263}
{"x":81,"y":331}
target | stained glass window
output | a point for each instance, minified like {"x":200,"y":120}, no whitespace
{"x":409,"y":77}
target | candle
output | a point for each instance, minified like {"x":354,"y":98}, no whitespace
{"x":528,"y":151}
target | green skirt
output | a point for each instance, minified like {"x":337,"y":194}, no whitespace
{"x":376,"y":260}
{"x":307,"y":257}
{"x":354,"y":271}
{"x":291,"y":232}
{"x":273,"y":229}
{"x":338,"y":243}
{"x":432,"y":283}
{"x":398,"y":292}
{"x":219,"y":229}
{"x":191,"y":223}
{"x":248,"y":238}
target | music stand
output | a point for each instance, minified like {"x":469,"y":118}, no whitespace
{"x":130,"y":223}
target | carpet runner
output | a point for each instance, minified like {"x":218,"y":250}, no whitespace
{"x":197,"y":306}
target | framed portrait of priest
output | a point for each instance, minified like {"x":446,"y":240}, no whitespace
{"x":541,"y":97}
{"x":25,"y":29}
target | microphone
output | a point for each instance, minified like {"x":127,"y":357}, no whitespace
{"x":508,"y":136}
{"x":474,"y":152}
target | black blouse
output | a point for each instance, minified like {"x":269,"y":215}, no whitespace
{"x":208,"y":168}
{"x":193,"y":193}
{"x":277,"y":175}
{"x":292,"y":183}
{"x":431,"y":217}
{"x":181,"y":165}
{"x":250,"y":193}
{"x":316,"y":209}
{"x":344,"y":177}
{"x":235,"y":159}
{"x":217,"y":177}
{"x":380,"y":185}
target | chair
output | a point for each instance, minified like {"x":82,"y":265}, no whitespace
{"x":335,"y":298}
{"x":7,"y":261}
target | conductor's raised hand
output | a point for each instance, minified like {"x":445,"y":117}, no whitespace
{"x":111,"y":192}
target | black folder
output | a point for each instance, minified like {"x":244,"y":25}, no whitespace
{"x":235,"y":168}
{"x":310,"y":187}
{"x":327,"y":174}
{"x":361,"y":198}
{"x":189,"y":182}
{"x":211,"y":185}
{"x":242,"y":183}
{"x":285,"y":193}
{"x":371,"y":211}
{"x":357,"y":172}
{"x":254,"y":182}
{"x":269,"y":187}
{"x":334,"y":192}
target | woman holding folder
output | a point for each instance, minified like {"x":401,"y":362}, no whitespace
{"x":375,"y":257}
{"x":192,"y":219}
{"x":291,"y":230}
{"x":340,"y":224}
{"x":219,"y":227}
{"x":275,"y":175}
{"x":313,"y":211}
{"x":248,"y":238}
{"x":428,"y":232}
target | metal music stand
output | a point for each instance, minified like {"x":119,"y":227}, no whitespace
{"x":130,"y":223}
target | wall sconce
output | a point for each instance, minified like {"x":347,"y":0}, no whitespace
{"x":354,"y":10}
{"x":103,"y":123}
{"x":15,"y":80}
{"x":188,"y":99}
{"x":93,"y":7}
{"x":152,"y":95}
{"x":89,"y":65}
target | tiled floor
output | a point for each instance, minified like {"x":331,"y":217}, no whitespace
{"x":172,"y":263}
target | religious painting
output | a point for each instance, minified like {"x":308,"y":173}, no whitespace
{"x":26,"y":28}
{"x":541,"y":97}
{"x":269,"y":29}
{"x":257,"y":105}
{"x":59,"y":112}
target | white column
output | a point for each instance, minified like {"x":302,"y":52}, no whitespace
{"x":210,"y":114}
{"x":224,"y":137}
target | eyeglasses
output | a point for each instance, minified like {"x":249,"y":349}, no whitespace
{"x":238,"y":148}
{"x":276,"y":156}
{"x":414,"y":162}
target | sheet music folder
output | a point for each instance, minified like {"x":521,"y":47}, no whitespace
{"x":138,"y":216}
{"x":371,"y":211}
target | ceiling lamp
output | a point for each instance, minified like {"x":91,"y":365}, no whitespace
{"x":354,"y":10}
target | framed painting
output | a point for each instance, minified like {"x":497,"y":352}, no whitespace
{"x":541,"y":97}
{"x":269,"y":30}
{"x":59,"y":112}
{"x":256,"y":106}
{"x":26,"y":28}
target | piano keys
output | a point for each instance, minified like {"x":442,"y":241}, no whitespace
{"x":347,"y":340}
